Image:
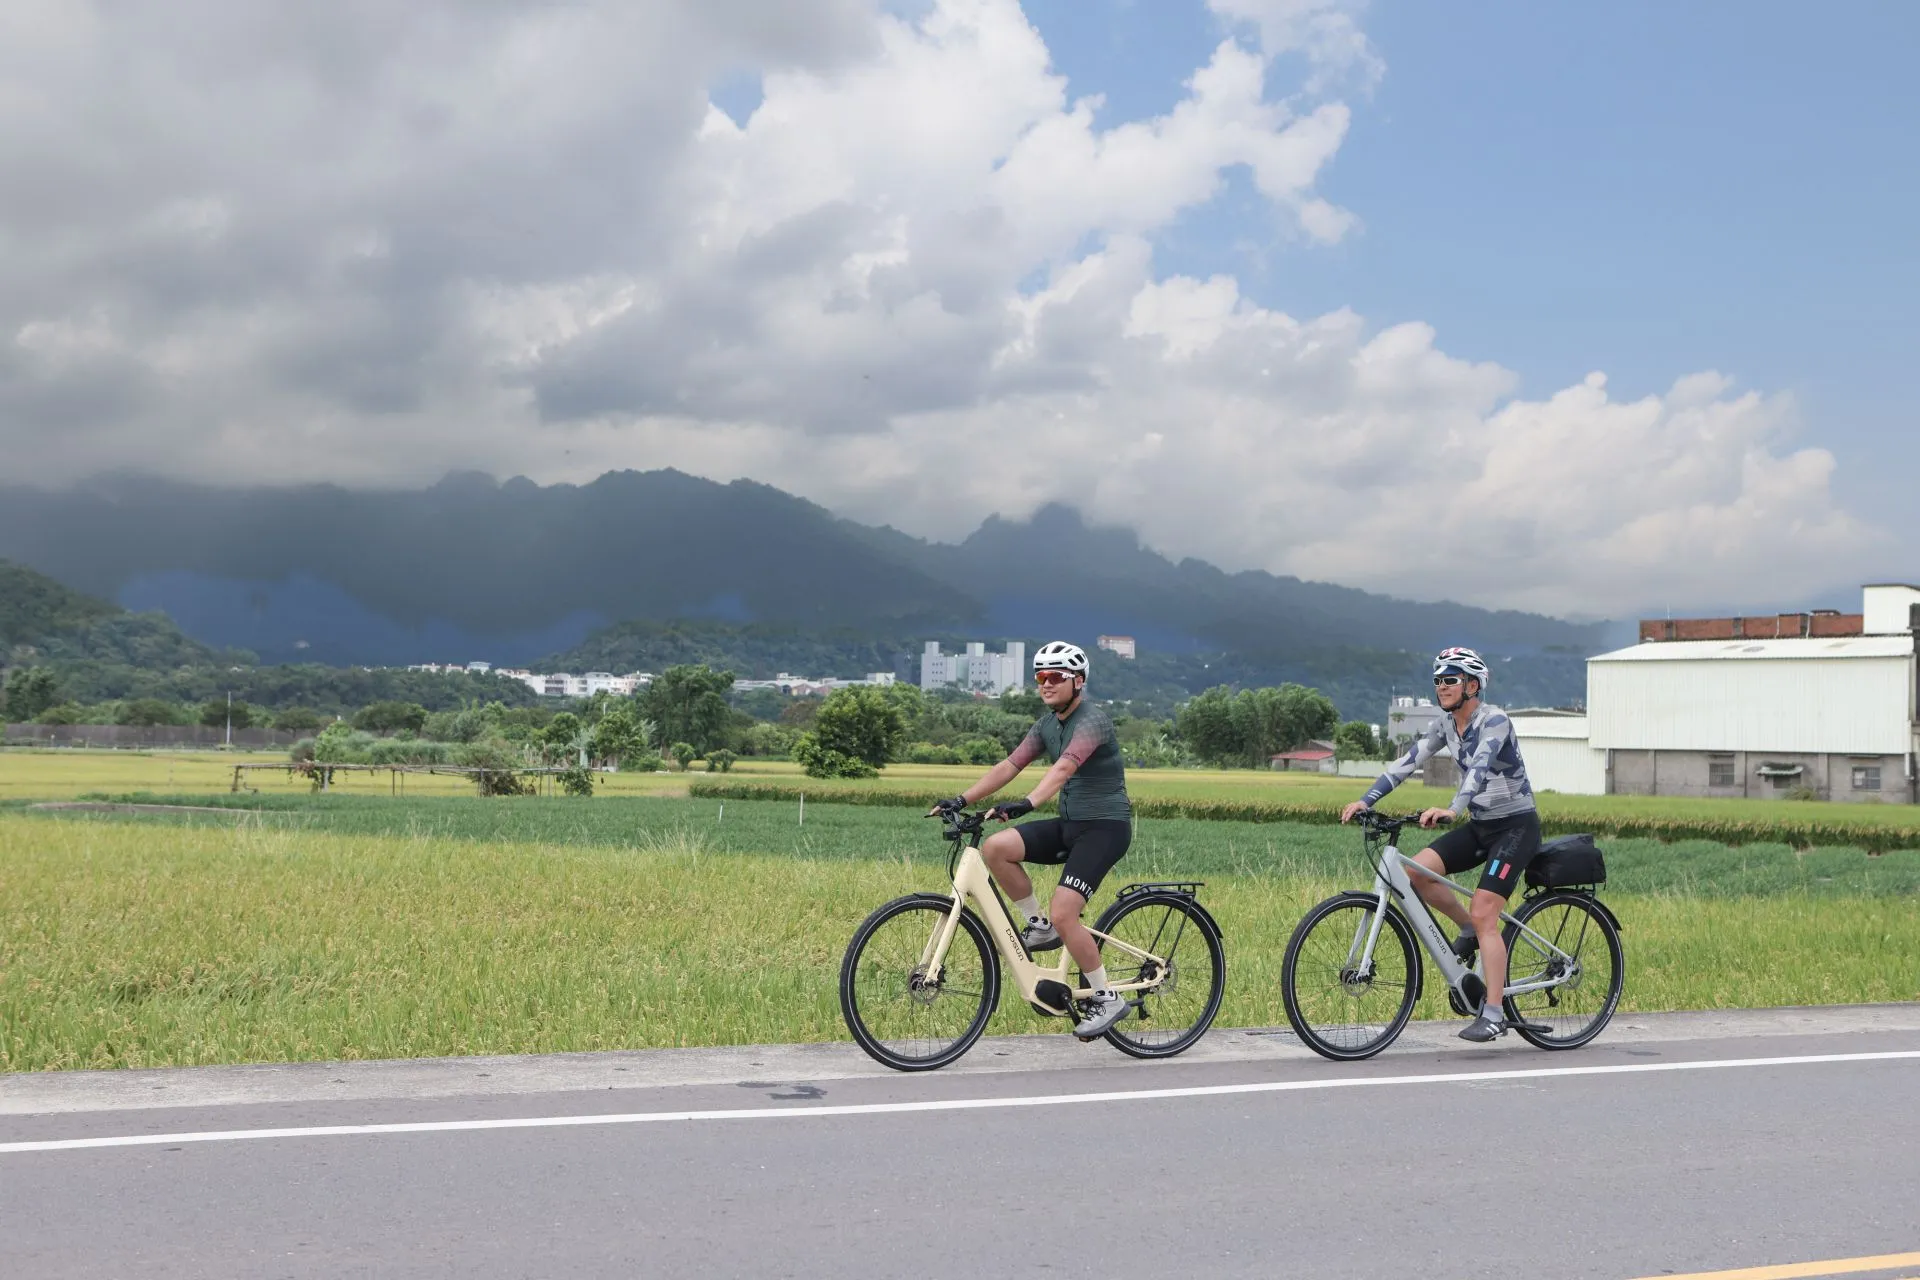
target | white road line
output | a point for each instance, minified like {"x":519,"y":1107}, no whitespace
{"x":948,"y":1104}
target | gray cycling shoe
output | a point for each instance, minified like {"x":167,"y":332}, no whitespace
{"x":1483,"y":1029}
{"x":1040,"y":935}
{"x":1466,"y":945}
{"x":1098,"y":1013}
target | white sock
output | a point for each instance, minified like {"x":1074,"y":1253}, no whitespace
{"x":1029,"y":907}
{"x":1492,"y":1012}
{"x":1098,"y":981}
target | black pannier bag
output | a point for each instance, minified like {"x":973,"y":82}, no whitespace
{"x":1567,"y":860}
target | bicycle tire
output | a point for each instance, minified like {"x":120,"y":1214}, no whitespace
{"x":1317,"y":988}
{"x":1185,"y":1002}
{"x":1577,"y":1011}
{"x":877,"y":985}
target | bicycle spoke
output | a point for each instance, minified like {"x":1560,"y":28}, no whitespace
{"x":1585,"y":958}
{"x":910,"y":1019}
{"x":1339,"y":1006}
{"x":1176,"y":1011}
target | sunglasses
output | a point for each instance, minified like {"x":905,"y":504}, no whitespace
{"x":1448,"y":681}
{"x":1050,"y":678}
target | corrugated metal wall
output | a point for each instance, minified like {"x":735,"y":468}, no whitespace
{"x":1841,"y":705}
{"x":1567,"y":765}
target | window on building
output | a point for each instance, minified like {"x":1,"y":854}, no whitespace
{"x":1780,"y":781}
{"x":1720,"y":772}
{"x":1866,"y":777}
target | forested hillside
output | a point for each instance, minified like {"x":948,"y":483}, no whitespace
{"x":509,"y":572}
{"x":97,"y":653}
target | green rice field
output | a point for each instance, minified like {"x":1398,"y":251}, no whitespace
{"x":367,"y":924}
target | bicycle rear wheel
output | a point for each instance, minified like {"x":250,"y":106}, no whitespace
{"x":1178,"y":930}
{"x":1594,"y":969}
{"x":896,"y":1013}
{"x":1340,"y":1008}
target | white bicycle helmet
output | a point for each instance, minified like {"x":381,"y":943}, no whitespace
{"x":1058,"y":655}
{"x":1461,"y":662}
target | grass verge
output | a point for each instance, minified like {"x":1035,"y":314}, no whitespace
{"x":157,"y":944}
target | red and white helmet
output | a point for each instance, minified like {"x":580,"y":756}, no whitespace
{"x":1058,"y":655}
{"x":1461,"y":662}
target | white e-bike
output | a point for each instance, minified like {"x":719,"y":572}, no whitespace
{"x":1352,"y":973}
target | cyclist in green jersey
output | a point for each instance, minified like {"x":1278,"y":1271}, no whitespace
{"x":1091,"y":834}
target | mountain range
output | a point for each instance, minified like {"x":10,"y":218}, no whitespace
{"x":517,"y":572}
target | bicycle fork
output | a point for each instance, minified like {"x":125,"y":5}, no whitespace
{"x":934,"y":958}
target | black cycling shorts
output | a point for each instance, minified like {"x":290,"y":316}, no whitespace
{"x":1506,"y":845}
{"x":1089,"y":849}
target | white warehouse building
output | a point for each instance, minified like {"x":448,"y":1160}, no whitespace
{"x":1823,"y":704}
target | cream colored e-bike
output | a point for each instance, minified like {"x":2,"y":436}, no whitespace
{"x":922,"y":974}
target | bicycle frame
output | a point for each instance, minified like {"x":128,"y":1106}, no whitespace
{"x":973,"y":883}
{"x":1391,"y":880}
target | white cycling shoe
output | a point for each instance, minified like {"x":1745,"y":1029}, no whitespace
{"x":1099,"y":1013}
{"x":1040,"y":935}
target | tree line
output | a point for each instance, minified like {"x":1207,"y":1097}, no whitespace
{"x":691,"y":712}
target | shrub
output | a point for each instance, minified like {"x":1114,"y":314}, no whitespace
{"x":720,"y":761}
{"x":982,"y":751}
{"x":928,"y":753}
{"x":498,"y":762}
{"x":643,"y":762}
{"x":821,"y":761}
{"x":863,"y":723}
{"x":684,"y":754}
{"x":59,"y":713}
{"x":577,"y":781}
{"x":338,"y":744}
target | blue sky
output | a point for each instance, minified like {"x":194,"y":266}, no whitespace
{"x":1646,"y":189}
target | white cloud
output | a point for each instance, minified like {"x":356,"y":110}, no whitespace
{"x":917,"y":284}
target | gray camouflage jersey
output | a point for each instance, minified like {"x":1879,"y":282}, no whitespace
{"x":1099,"y":788}
{"x":1493,"y":778}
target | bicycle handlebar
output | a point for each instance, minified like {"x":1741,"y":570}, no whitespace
{"x":959,"y":823}
{"x":1380,"y":824}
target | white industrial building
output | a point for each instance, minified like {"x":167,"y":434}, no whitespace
{"x":1559,"y":757}
{"x":1819,"y":704}
{"x":976,"y":669}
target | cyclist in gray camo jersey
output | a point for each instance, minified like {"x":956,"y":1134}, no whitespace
{"x":1091,"y":834}
{"x":1502,"y":831}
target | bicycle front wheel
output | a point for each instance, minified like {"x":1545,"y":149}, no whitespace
{"x":1343,"y":1005}
{"x":1176,"y":930}
{"x":897,"y":1012}
{"x":1586,"y":959}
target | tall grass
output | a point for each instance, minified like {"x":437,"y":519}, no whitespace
{"x":149,"y":944}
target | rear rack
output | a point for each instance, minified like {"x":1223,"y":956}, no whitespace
{"x":1189,"y":888}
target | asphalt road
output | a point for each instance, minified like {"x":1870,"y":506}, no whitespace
{"x":1683,"y":1155}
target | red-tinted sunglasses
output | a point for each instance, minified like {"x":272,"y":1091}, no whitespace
{"x":1050,"y":677}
